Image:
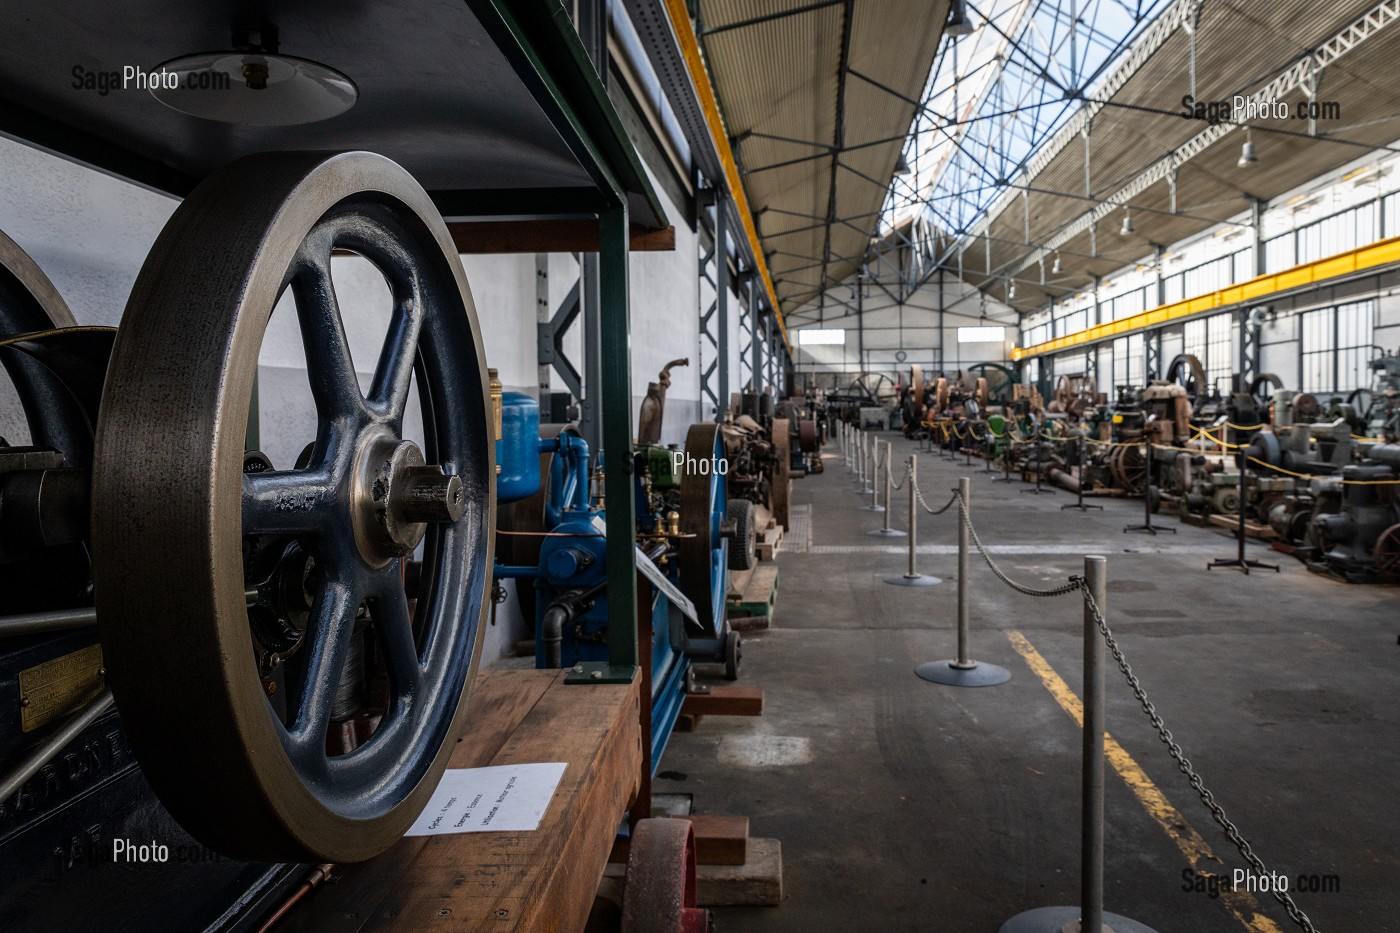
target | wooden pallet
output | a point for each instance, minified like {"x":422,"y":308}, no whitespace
{"x":754,"y":597}
{"x":507,"y":881}
{"x":769,"y":542}
{"x":1252,"y":529}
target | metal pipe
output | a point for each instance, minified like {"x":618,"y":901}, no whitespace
{"x":552,"y":634}
{"x":1091,"y":838}
{"x":913,"y":517}
{"x":889,"y":488}
{"x":964,"y":660}
{"x":50,"y":747}
{"x":29,"y":623}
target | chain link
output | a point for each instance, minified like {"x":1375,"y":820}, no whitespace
{"x":1069,"y":587}
{"x":1184,"y":765}
{"x":908,"y":471}
{"x":919,"y":494}
{"x":1173,"y":748}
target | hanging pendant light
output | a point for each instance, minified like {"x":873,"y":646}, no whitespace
{"x":252,"y":84}
{"x":1248,"y":156}
{"x":1127,"y":228}
{"x":959,"y":24}
{"x":1056,"y":268}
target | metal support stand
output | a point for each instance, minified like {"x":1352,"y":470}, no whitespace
{"x":1006,"y":462}
{"x":962,"y":671}
{"x":887,"y":531}
{"x":875,"y":505}
{"x":1039,"y":469}
{"x":987,"y":447}
{"x":1078,"y":503}
{"x":913,"y":577}
{"x":1239,"y":560}
{"x":1147,"y":525}
{"x":1089,"y":915}
{"x":867,"y":466}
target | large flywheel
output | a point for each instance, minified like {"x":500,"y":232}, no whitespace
{"x":243,"y":608}
{"x":703,"y":548}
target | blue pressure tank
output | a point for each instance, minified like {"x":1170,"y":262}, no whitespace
{"x":518,"y":450}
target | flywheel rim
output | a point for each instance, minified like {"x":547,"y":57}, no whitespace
{"x":269,"y":213}
{"x":703,"y":551}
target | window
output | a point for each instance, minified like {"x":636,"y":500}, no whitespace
{"x":981,"y":334}
{"x":1030,"y":373}
{"x":1038,"y":334}
{"x":1336,"y":347}
{"x":814,"y":336}
{"x":1212,"y":341}
{"x":1127,"y":361}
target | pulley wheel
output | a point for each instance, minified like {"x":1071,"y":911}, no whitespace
{"x":173,"y":510}
{"x":1129,"y":469}
{"x":703,"y":548}
{"x":808,"y":440}
{"x":659,"y":896}
{"x":780,"y":483}
{"x":1388,"y":554}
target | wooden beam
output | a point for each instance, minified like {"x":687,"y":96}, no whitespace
{"x":725,"y":701}
{"x":548,"y":236}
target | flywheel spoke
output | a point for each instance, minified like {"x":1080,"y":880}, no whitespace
{"x":388,"y":607}
{"x":330,"y":368}
{"x":389,"y":393}
{"x":330,"y":629}
{"x":286,"y":501}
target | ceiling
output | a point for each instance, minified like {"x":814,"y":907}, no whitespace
{"x":1239,"y":47}
{"x":816,"y":99}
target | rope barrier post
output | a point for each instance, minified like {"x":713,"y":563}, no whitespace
{"x":1147,"y":525}
{"x":867,"y":466}
{"x":1039,"y":466}
{"x":875,"y":505}
{"x":887,"y":531}
{"x":1239,"y":560}
{"x":859,"y":438}
{"x":963,"y":671}
{"x":1078,"y":503}
{"x":987,"y":448}
{"x":913,"y":577}
{"x":1089,"y":915}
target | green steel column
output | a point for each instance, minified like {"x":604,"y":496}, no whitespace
{"x":617,"y":437}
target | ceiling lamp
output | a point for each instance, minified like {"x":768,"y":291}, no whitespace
{"x":1056,"y":268}
{"x":253,"y":85}
{"x":958,"y":22}
{"x":901,"y":165}
{"x":1010,"y":290}
{"x":1127,"y":228}
{"x":1248,"y":156}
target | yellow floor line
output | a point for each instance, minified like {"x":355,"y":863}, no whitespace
{"x":1241,"y":904}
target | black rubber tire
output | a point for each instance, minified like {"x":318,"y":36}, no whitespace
{"x":733,"y":655}
{"x":743,"y":547}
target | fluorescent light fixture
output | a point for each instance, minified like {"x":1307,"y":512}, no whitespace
{"x":817,"y":336}
{"x":981,"y":334}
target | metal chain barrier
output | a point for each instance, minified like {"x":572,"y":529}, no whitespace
{"x":1173,"y":748}
{"x":919,"y":493}
{"x":1184,"y":764}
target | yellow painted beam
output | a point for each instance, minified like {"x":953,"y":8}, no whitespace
{"x":700,"y":77}
{"x":1318,"y":272}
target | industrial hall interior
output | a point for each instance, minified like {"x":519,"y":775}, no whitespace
{"x":700,"y":466}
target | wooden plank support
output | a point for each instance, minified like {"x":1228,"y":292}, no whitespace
{"x":751,"y":609}
{"x":504,"y":882}
{"x":548,"y":236}
{"x":724,"y":701}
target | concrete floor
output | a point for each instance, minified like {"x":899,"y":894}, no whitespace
{"x":904,"y":805}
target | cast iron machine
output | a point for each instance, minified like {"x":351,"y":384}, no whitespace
{"x":552,"y":525}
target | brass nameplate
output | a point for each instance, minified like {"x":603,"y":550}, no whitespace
{"x":56,"y":688}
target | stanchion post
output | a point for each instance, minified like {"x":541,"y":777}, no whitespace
{"x":964,"y":605}
{"x":962,"y":671}
{"x":1078,"y":502}
{"x":1091,"y":825}
{"x":1147,"y":525}
{"x":912,"y":577}
{"x":1089,"y":915}
{"x":889,"y":489}
{"x":875,"y":505}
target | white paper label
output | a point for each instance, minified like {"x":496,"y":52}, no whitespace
{"x":501,"y":798}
